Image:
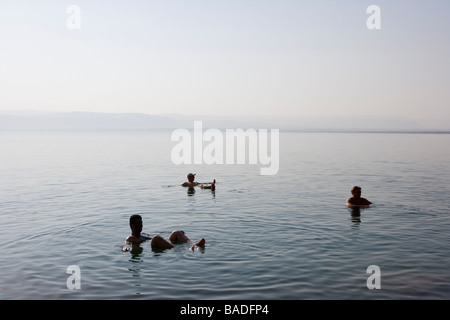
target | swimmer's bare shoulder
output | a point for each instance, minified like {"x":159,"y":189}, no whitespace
{"x":134,"y":239}
{"x":359,"y":202}
{"x":189,"y":184}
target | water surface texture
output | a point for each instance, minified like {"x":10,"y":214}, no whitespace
{"x":66,"y":197}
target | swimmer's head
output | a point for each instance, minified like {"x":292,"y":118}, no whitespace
{"x":136,"y":223}
{"x":191,"y":175}
{"x":356,"y":192}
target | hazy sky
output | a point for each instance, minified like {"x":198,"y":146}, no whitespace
{"x":278,"y":57}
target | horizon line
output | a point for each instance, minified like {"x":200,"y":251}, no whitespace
{"x":287,"y":123}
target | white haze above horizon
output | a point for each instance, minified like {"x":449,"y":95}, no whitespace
{"x":287,"y":61}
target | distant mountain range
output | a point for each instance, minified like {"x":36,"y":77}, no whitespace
{"x":81,"y":121}
{"x":31,"y":120}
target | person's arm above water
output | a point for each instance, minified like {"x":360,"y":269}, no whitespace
{"x":189,"y":184}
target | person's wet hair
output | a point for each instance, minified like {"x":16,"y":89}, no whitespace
{"x":135,"y":218}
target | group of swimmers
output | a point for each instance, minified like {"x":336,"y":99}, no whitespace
{"x":178,"y":236}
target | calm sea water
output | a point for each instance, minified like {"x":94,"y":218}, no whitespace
{"x":66,"y":197}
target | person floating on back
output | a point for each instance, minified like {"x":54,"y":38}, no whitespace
{"x":192,"y":183}
{"x":356,"y":200}
{"x":157,"y":242}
